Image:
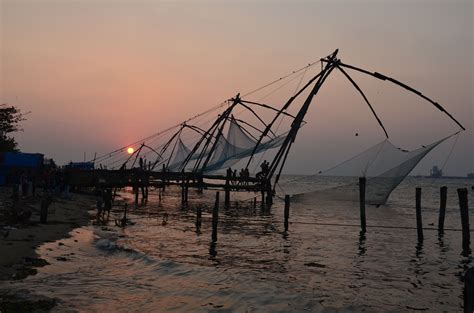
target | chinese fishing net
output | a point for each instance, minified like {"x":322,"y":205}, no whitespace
{"x":383,"y":165}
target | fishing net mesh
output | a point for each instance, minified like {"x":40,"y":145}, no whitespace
{"x":384,"y":165}
{"x":179,"y":157}
{"x":236,"y":146}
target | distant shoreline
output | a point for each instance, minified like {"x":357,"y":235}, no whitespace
{"x":444,"y":177}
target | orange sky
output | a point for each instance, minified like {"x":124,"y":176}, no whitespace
{"x":99,"y":74}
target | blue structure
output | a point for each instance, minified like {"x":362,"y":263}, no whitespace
{"x":10,"y":161}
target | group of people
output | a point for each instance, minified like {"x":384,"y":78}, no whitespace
{"x":244,"y":174}
{"x":25,"y":182}
{"x":240,"y":179}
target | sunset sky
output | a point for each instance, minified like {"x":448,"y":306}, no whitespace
{"x":98,"y":74}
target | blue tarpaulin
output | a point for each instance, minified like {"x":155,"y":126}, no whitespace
{"x":18,"y":160}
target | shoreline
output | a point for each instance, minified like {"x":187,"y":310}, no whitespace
{"x":19,"y":242}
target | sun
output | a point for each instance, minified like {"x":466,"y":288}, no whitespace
{"x":130,"y":150}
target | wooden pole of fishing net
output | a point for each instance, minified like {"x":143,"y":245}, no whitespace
{"x":419,"y":224}
{"x":443,"y":193}
{"x":215,"y":218}
{"x":287,"y":211}
{"x":362,"y":183}
{"x":463,"y":206}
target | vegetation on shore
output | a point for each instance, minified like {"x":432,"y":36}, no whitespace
{"x":10,"y":118}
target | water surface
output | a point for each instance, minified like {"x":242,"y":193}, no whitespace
{"x":320,"y":265}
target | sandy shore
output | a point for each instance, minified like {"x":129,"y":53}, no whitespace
{"x":19,"y":241}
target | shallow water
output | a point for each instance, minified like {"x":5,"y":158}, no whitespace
{"x":319,"y":266}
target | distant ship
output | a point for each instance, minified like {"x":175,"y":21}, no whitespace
{"x":436,"y":172}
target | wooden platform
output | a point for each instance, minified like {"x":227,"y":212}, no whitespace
{"x":136,"y":177}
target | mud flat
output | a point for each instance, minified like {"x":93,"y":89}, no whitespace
{"x":18,"y":242}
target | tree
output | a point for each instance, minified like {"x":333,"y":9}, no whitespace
{"x":10,"y":118}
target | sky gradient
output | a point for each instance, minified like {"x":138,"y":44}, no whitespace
{"x":99,"y":74}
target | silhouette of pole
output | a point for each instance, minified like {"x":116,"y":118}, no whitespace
{"x":227,"y":190}
{"x":362,"y":183}
{"x":419,"y":224}
{"x":443,"y":193}
{"x":287,"y":211}
{"x":215,"y":218}
{"x":198,"y":218}
{"x":463,"y":206}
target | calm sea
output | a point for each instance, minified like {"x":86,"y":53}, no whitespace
{"x":323,"y":264}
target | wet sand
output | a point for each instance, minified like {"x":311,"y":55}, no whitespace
{"x":19,"y":241}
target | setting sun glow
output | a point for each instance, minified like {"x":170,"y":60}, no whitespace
{"x":130,"y":150}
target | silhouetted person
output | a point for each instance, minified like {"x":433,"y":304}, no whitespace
{"x":234,"y":177}
{"x":265,"y":166}
{"x":66,"y":184}
{"x":108,"y":200}
{"x":99,"y":204}
{"x":24,"y":184}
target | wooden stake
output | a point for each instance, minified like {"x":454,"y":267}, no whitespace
{"x":287,"y":211}
{"x":362,"y":183}
{"x":419,"y":224}
{"x":443,"y":192}
{"x":227,"y":192}
{"x":198,"y":218}
{"x":124,"y":218}
{"x":136,"y":195}
{"x":183,"y":191}
{"x":215,"y":218}
{"x":463,"y":206}
{"x":186,"y":191}
{"x":269,"y":197}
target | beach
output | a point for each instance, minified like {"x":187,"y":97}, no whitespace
{"x":19,"y":241}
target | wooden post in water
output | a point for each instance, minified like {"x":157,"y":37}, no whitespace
{"x":198,"y":217}
{"x":362,"y":183}
{"x":287,"y":211}
{"x":227,"y":191}
{"x":419,"y":224}
{"x":124,"y":218}
{"x":143,"y":190}
{"x":136,"y":194}
{"x":463,"y":206}
{"x":186,"y":191}
{"x":269,"y":193}
{"x":469,"y":291}
{"x":254,"y":202}
{"x":215,"y":218}
{"x":443,"y":193}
